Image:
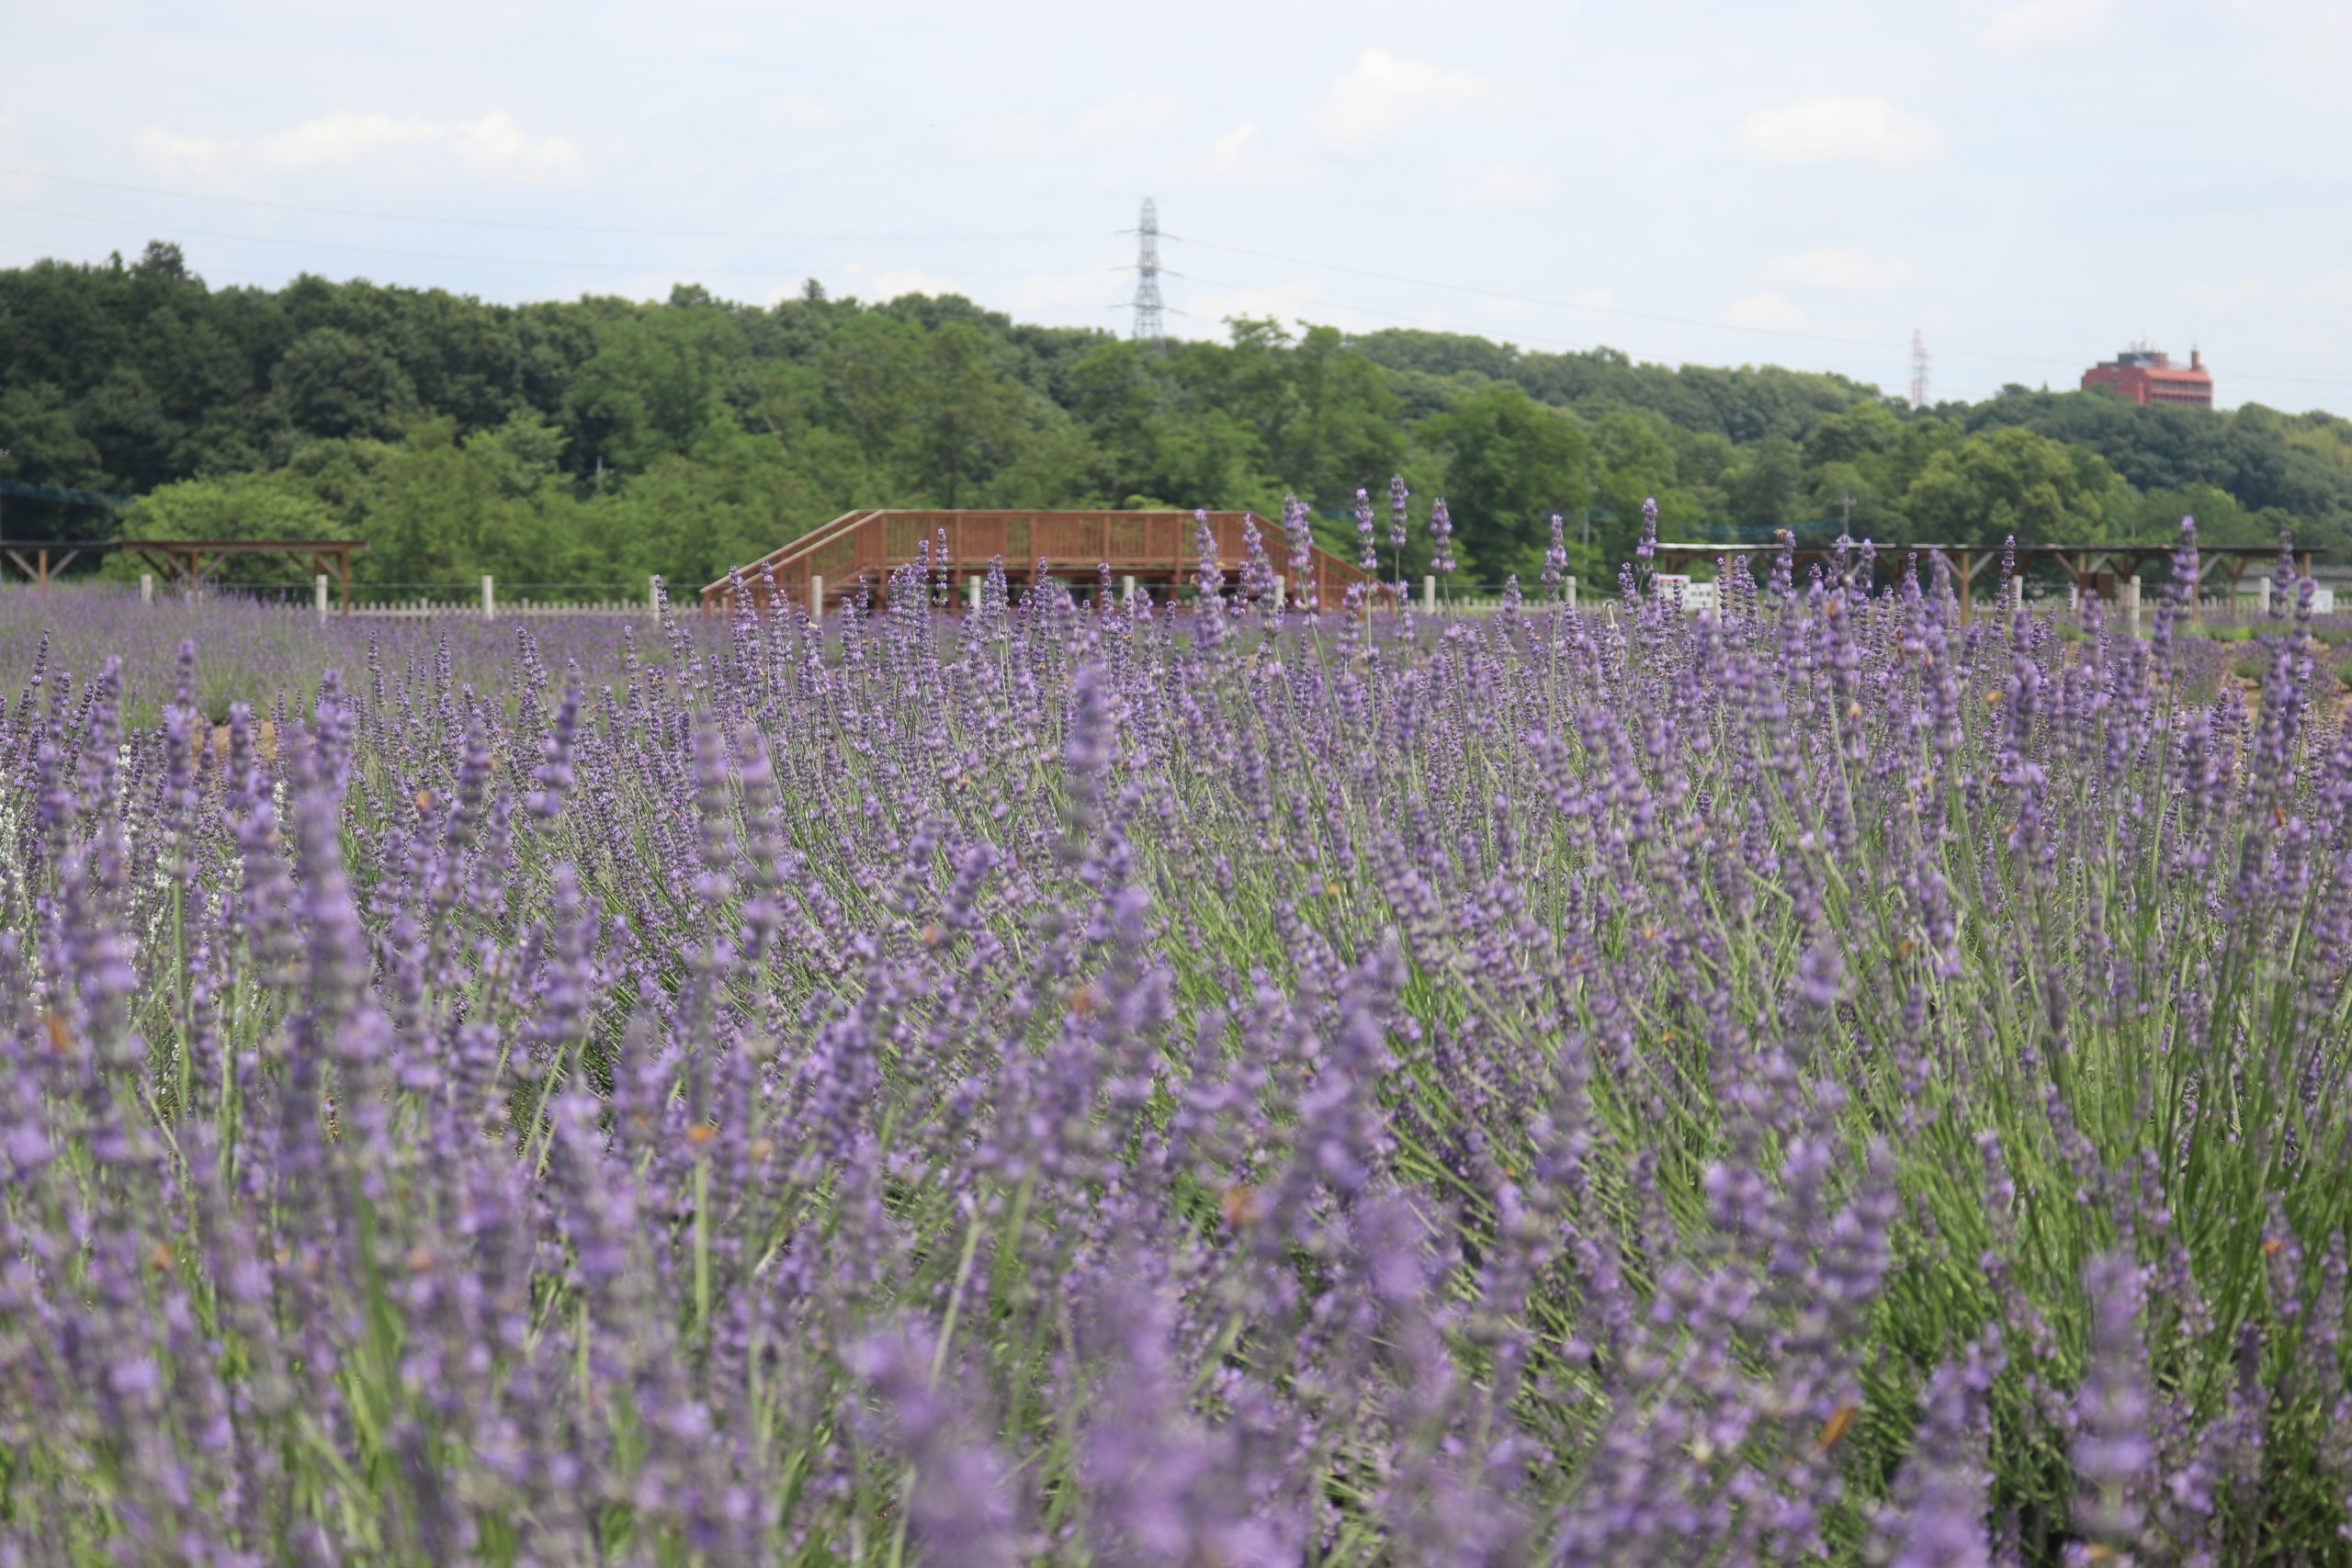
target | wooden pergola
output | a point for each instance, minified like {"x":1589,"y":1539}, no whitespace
{"x":184,"y":560}
{"x":2088,"y":567}
{"x":187,"y":560}
{"x":38,"y":558}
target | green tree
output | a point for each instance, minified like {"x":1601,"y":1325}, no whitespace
{"x":1767,"y":491}
{"x":2012,"y":482}
{"x":967,"y":415}
{"x":1510,"y":464}
{"x":332,"y":384}
{"x":265,"y":505}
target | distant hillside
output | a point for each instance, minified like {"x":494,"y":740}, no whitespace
{"x":597,"y":440}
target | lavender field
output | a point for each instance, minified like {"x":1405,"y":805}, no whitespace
{"x":1815,"y":1083}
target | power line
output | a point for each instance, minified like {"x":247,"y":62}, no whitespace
{"x":1992,"y":357}
{"x":1621,"y":312}
{"x":660,"y":233}
{"x":549,"y":263}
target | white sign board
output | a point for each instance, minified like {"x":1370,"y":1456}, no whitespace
{"x":1694,"y":596}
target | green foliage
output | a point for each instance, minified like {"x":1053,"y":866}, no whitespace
{"x":600,"y":440}
{"x":1510,"y":464}
{"x":2011,"y":483}
{"x":264,"y":505}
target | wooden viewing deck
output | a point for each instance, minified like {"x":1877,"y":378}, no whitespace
{"x":1156,"y":548}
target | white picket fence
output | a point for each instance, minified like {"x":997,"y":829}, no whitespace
{"x":487,"y":607}
{"x":439,"y":609}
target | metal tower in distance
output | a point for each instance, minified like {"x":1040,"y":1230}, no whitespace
{"x":1147,"y":326}
{"x":1919,"y":369}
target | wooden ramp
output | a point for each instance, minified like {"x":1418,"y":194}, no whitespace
{"x":1156,"y":548}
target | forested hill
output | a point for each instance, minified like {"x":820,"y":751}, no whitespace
{"x":594,"y":441}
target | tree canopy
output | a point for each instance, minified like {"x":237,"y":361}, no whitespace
{"x":594,"y":441}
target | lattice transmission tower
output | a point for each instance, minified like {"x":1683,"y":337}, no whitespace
{"x":1919,"y":369}
{"x":1148,"y":324}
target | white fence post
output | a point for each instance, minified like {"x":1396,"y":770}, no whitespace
{"x":2132,"y":605}
{"x":1429,"y":594}
{"x":653,"y":597}
{"x":1127,"y":590}
{"x":2017,"y":596}
{"x":146,"y":587}
{"x":816,"y":597}
{"x":972,"y":593}
{"x":2265,"y":592}
{"x":489,"y":599}
{"x":1572,"y":593}
{"x":1280,"y":588}
{"x":318,"y":594}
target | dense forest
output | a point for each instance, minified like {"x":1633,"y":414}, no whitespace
{"x":593,"y":442}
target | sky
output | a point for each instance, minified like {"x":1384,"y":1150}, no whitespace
{"x":2030,"y":186}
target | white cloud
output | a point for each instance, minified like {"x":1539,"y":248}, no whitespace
{"x":2048,"y":23}
{"x":2234,"y":295}
{"x":1225,"y":152}
{"x":806,"y":111}
{"x":1774,"y":310}
{"x":1845,"y":269}
{"x":1381,"y":95}
{"x":1594,"y":299}
{"x":881,"y":285}
{"x":1013,"y":136}
{"x":1505,"y":185}
{"x":2331,"y":287}
{"x":1844,"y":131}
{"x":494,"y":145}
{"x":1128,"y":115}
{"x":1094,"y":287}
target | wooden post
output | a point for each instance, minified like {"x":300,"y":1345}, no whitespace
{"x":1572,"y":593}
{"x":2017,"y":595}
{"x":146,"y":587}
{"x":488,"y":600}
{"x":1278,"y":592}
{"x":318,"y":594}
{"x":2132,"y":605}
{"x":1429,"y":594}
{"x":816,"y":597}
{"x":2264,"y":592}
{"x":653,"y":597}
{"x":1128,"y":589}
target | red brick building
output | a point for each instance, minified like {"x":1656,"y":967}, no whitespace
{"x":2145,"y":374}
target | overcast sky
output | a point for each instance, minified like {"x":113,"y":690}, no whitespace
{"x":2031,"y":185}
